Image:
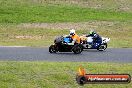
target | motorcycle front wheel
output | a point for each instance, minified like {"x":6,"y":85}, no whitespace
{"x":52,"y":49}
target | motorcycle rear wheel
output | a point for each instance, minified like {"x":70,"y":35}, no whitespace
{"x":102,"y":47}
{"x":77,"y":49}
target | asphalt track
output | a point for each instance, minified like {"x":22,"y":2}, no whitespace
{"x":42,"y":54}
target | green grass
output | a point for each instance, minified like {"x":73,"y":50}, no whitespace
{"x":17,"y":12}
{"x":26,"y":74}
{"x":15,"y":35}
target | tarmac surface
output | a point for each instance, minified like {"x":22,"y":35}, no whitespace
{"x":42,"y":54}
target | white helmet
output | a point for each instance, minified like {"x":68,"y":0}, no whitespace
{"x":72,"y":32}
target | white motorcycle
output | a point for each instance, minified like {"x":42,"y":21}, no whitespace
{"x":87,"y":43}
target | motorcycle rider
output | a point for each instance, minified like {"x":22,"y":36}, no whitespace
{"x":96,"y":37}
{"x":74,"y":36}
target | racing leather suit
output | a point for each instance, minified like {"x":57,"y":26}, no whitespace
{"x":75,"y":38}
{"x":96,"y":38}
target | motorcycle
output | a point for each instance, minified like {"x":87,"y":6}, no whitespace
{"x":87,"y":43}
{"x":61,"y":45}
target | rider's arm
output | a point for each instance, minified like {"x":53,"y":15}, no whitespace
{"x":87,"y":35}
{"x":95,"y":36}
{"x":72,"y":43}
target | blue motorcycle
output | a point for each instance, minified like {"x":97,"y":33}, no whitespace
{"x":90,"y":43}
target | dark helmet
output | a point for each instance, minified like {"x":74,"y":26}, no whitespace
{"x":92,"y":32}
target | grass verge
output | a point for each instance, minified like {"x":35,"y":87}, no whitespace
{"x":14,"y":35}
{"x":17,"y":11}
{"x":24,"y":74}
{"x":63,"y":11}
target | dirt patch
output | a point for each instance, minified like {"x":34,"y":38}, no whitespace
{"x":118,"y":5}
{"x":29,"y":37}
{"x":80,"y":25}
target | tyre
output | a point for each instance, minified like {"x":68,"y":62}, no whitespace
{"x":77,"y":49}
{"x":102,"y":47}
{"x":52,"y":49}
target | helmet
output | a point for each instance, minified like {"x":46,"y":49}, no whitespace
{"x":92,"y":32}
{"x":72,"y":32}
